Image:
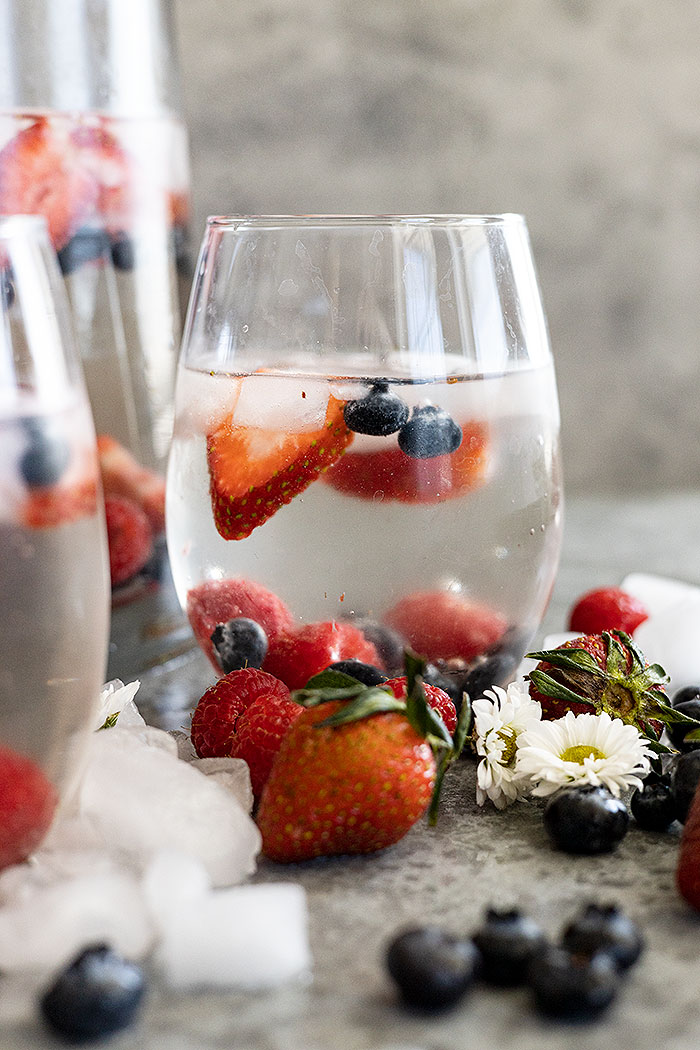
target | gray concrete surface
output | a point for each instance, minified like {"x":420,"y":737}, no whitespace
{"x":450,"y":874}
{"x":581,"y":114}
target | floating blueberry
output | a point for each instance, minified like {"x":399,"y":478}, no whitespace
{"x":368,"y":674}
{"x":123,"y":255}
{"x":604,"y":928}
{"x":572,"y":987}
{"x":45,"y":458}
{"x":653,"y":805}
{"x":431,"y":968}
{"x":585,"y":820}
{"x":677,"y":733}
{"x":84,"y":246}
{"x":684,"y":781}
{"x":239,"y":643}
{"x":507,"y":941}
{"x":99,"y":993}
{"x":379,"y":412}
{"x":429,"y":432}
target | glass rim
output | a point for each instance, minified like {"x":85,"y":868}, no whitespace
{"x":11,"y":224}
{"x":330,"y":221}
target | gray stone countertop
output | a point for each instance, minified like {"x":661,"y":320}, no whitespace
{"x":450,"y":874}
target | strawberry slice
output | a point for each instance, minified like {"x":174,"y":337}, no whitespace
{"x":400,"y":477}
{"x":53,"y":505}
{"x":39,"y":176}
{"x":99,"y":153}
{"x":254,"y":471}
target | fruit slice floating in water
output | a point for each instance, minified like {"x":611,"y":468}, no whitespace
{"x":390,"y":474}
{"x":255,"y":471}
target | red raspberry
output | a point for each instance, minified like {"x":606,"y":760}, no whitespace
{"x":130,"y":538}
{"x":215,"y":717}
{"x":441,"y":625}
{"x":218,"y":601}
{"x":299,"y":654}
{"x":27,"y":804}
{"x":607,"y":609}
{"x":437,"y":698}
{"x":259,"y":732}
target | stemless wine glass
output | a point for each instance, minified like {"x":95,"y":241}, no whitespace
{"x":54,"y":574}
{"x":366,"y":435}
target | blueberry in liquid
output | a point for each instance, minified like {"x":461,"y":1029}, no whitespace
{"x":238,"y":643}
{"x":45,"y":458}
{"x":378,"y":413}
{"x":429,"y":432}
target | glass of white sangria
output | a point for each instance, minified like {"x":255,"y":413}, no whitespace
{"x":366,"y":446}
{"x":54,"y":571}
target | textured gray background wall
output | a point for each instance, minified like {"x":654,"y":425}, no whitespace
{"x":584,"y":115}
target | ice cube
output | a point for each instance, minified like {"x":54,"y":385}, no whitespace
{"x":281,"y":403}
{"x":47,"y":928}
{"x":232,"y":773}
{"x":250,"y":937}
{"x":204,"y":402}
{"x":139,"y":798}
{"x":658,"y":593}
{"x":171,"y":883}
{"x":185,"y":747}
{"x":671,"y":637}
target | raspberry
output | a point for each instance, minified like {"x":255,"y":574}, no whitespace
{"x":130,"y":538}
{"x":27,"y":804}
{"x":298,"y":655}
{"x":218,"y":601}
{"x":259,"y":732}
{"x":441,"y":625}
{"x":437,"y":699}
{"x":215,"y":717}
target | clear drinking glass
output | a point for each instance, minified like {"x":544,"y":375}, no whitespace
{"x":54,"y":572}
{"x":366,"y":430}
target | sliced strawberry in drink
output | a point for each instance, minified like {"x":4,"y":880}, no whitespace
{"x":254,"y":471}
{"x":123,"y":475}
{"x":390,"y":474}
{"x":98,"y":152}
{"x":39,"y":175}
{"x":27,"y":805}
{"x":59,"y":504}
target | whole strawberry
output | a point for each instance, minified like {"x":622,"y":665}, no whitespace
{"x":216,"y":716}
{"x":27,"y":804}
{"x":605,"y":672}
{"x":296,"y":655}
{"x":688,"y":868}
{"x":354,"y":772}
{"x":607,"y":609}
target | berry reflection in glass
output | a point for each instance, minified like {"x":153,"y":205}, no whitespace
{"x":367,"y":430}
{"x":54,"y":579}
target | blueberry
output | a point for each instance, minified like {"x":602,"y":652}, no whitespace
{"x":653,"y":805}
{"x":368,"y":674}
{"x":507,"y":941}
{"x":571,"y":986}
{"x":239,"y":643}
{"x":684,"y":781}
{"x":585,"y":820}
{"x":429,"y":432}
{"x":450,"y":681}
{"x":388,"y":643}
{"x":604,"y":928}
{"x":123,"y":255}
{"x":99,"y":993}
{"x":688,"y":692}
{"x":7,"y":289}
{"x":431,"y":968}
{"x":677,"y":733}
{"x":379,"y":412}
{"x":84,"y":246}
{"x":45,"y":458}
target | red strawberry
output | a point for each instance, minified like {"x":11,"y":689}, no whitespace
{"x":441,"y":625}
{"x":607,"y":609}
{"x":130,"y":538}
{"x":58,"y":504}
{"x":300,"y":653}
{"x":123,"y":475}
{"x":253,"y":472}
{"x":97,"y":151}
{"x":437,"y":699}
{"x":352,"y":788}
{"x":605,"y":672}
{"x":258,"y":735}
{"x":39,"y":175}
{"x":397,"y":476}
{"x":688,"y":867}
{"x":215,"y":717}
{"x":27,"y":804}
{"x":218,"y":601}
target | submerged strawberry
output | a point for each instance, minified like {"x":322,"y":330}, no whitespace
{"x":123,"y":475}
{"x":130,"y":538}
{"x":253,"y":471}
{"x":441,"y":625}
{"x":27,"y":804}
{"x":390,"y":474}
{"x":605,"y":672}
{"x":51,"y":505}
{"x":299,"y":653}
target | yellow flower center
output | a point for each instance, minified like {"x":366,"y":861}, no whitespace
{"x":507,"y":735}
{"x":578,"y":752}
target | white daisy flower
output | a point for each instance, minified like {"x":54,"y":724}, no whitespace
{"x":582,"y":749}
{"x":500,"y":718}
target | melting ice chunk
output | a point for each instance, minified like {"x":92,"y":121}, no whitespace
{"x":281,"y":403}
{"x":658,"y":593}
{"x":671,"y":635}
{"x":250,"y":937}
